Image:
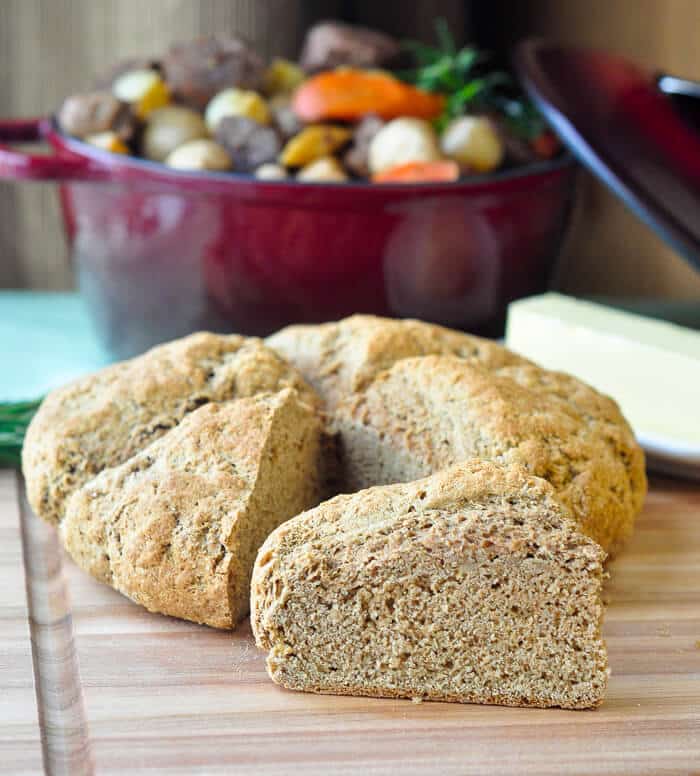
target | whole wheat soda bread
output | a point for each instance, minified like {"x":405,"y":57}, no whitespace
{"x":177,"y":526}
{"x":471,"y":585}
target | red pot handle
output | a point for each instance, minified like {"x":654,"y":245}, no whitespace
{"x":18,"y":165}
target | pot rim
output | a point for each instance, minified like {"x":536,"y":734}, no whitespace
{"x":157,"y":171}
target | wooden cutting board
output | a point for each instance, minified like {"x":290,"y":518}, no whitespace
{"x":105,"y":687}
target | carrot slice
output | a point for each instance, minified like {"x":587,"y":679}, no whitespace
{"x":419,"y":172}
{"x":348,"y":95}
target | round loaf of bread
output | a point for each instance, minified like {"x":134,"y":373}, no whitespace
{"x":168,"y":500}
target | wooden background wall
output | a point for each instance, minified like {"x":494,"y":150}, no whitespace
{"x":50,"y":47}
{"x":609,"y":250}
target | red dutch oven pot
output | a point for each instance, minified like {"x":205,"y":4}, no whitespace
{"x":160,"y":253}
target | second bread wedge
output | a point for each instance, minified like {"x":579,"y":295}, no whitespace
{"x":176,"y":528}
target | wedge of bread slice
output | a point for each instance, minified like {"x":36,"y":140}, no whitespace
{"x":472,"y":585}
{"x":101,"y":420}
{"x":176,"y":527}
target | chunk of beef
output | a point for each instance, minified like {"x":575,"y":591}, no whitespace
{"x":197,"y":70}
{"x":331,"y":44}
{"x":249,"y":144}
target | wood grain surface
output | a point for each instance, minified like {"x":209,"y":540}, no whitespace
{"x":122,"y":691}
{"x":20,"y":735}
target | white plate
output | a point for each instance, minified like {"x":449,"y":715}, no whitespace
{"x":667,"y":456}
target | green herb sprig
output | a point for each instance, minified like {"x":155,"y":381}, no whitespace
{"x":14,"y":420}
{"x":470,"y":84}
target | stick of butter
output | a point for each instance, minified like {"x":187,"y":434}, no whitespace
{"x":650,"y":367}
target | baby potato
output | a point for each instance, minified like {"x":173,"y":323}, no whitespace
{"x":313,"y":143}
{"x":144,"y":90}
{"x":271,"y":172}
{"x":326,"y":169}
{"x":200,"y":155}
{"x":474,"y":142}
{"x":236,"y":102}
{"x":108,"y":141}
{"x":169,"y":128}
{"x":401,"y":141}
{"x":282,"y":77}
{"x":96,"y":112}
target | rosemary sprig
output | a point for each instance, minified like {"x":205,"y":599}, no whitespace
{"x":14,"y":419}
{"x":470,"y":84}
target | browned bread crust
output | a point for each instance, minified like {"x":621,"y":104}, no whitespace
{"x":341,"y":358}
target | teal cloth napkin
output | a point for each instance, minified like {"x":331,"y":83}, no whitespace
{"x":46,"y":339}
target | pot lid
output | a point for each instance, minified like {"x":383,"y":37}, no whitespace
{"x":639,"y":134}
